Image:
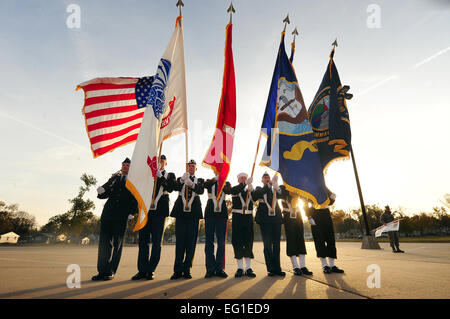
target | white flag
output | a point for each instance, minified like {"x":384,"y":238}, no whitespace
{"x":165,"y":116}
{"x":174,"y":119}
{"x":392,"y":226}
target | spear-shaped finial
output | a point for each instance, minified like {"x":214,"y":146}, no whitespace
{"x":334,"y":44}
{"x":286,"y":22}
{"x":180,"y":4}
{"x":295,"y":32}
{"x":231,"y":10}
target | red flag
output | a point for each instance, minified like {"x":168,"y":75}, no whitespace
{"x":218,"y":157}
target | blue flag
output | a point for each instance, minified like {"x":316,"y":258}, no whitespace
{"x":328,"y":115}
{"x":291,"y":148}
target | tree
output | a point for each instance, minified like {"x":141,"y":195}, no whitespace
{"x":15,"y":220}
{"x":79,"y":221}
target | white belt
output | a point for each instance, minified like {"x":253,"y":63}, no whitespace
{"x":211,"y":196}
{"x":270,"y":211}
{"x":241,"y":211}
{"x":292,"y":213}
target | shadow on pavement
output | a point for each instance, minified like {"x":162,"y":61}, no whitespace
{"x":296,"y":288}
{"x":259,"y":289}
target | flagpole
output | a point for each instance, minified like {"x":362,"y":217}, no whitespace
{"x":361,"y":200}
{"x":180,"y":4}
{"x":369,"y":241}
{"x":155,"y":182}
{"x":286,"y":22}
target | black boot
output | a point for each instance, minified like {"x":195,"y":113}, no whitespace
{"x":306,"y":271}
{"x":139,"y":276}
{"x":249,"y":273}
{"x":239,"y":273}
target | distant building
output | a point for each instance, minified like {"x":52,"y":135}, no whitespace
{"x":9,"y":238}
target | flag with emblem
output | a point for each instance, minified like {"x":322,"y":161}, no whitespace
{"x":392,"y":226}
{"x":113,"y":110}
{"x":165,"y":116}
{"x":218,"y":156}
{"x":291,"y":148}
{"x":114,"y":106}
{"x":328,"y":115}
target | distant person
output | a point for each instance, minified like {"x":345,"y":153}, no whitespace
{"x":386,"y":218}
{"x":113,"y":222}
{"x":154,"y":229}
{"x":323,"y":235}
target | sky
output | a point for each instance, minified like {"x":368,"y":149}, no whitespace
{"x":395,"y":56}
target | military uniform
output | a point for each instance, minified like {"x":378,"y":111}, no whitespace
{"x":323,"y":234}
{"x":216,"y":219}
{"x":186,"y":224}
{"x":293,"y":225}
{"x":242,"y":224}
{"x":293,"y":228}
{"x":386,"y":218}
{"x":113,"y":223}
{"x":154,"y":228}
{"x":269,"y":221}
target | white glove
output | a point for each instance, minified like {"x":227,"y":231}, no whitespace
{"x":100,"y":190}
{"x":130,"y":217}
{"x":249,"y":180}
{"x":185,"y":177}
{"x":250,"y":187}
{"x":333,"y":196}
{"x":158,"y":174}
{"x":275,"y":183}
{"x":312,"y":222}
{"x":189,"y":183}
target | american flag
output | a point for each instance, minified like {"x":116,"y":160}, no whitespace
{"x":113,"y":110}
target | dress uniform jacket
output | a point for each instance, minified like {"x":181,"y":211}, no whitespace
{"x":216,"y":208}
{"x":120,"y":203}
{"x":264,"y":213}
{"x":187,"y":221}
{"x":164,"y":186}
{"x":194,"y":210}
{"x":242,"y":222}
{"x":113,"y":223}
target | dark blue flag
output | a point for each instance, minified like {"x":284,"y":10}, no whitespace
{"x":328,"y":115}
{"x":291,"y":148}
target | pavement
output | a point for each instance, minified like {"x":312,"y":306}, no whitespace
{"x":422,"y":272}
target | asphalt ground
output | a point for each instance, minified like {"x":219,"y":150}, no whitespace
{"x":422,"y":272}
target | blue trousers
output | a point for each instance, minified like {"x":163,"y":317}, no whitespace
{"x":186,"y":231}
{"x":271,"y":234}
{"x":153,"y":232}
{"x":110,"y":246}
{"x":217,"y":226}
